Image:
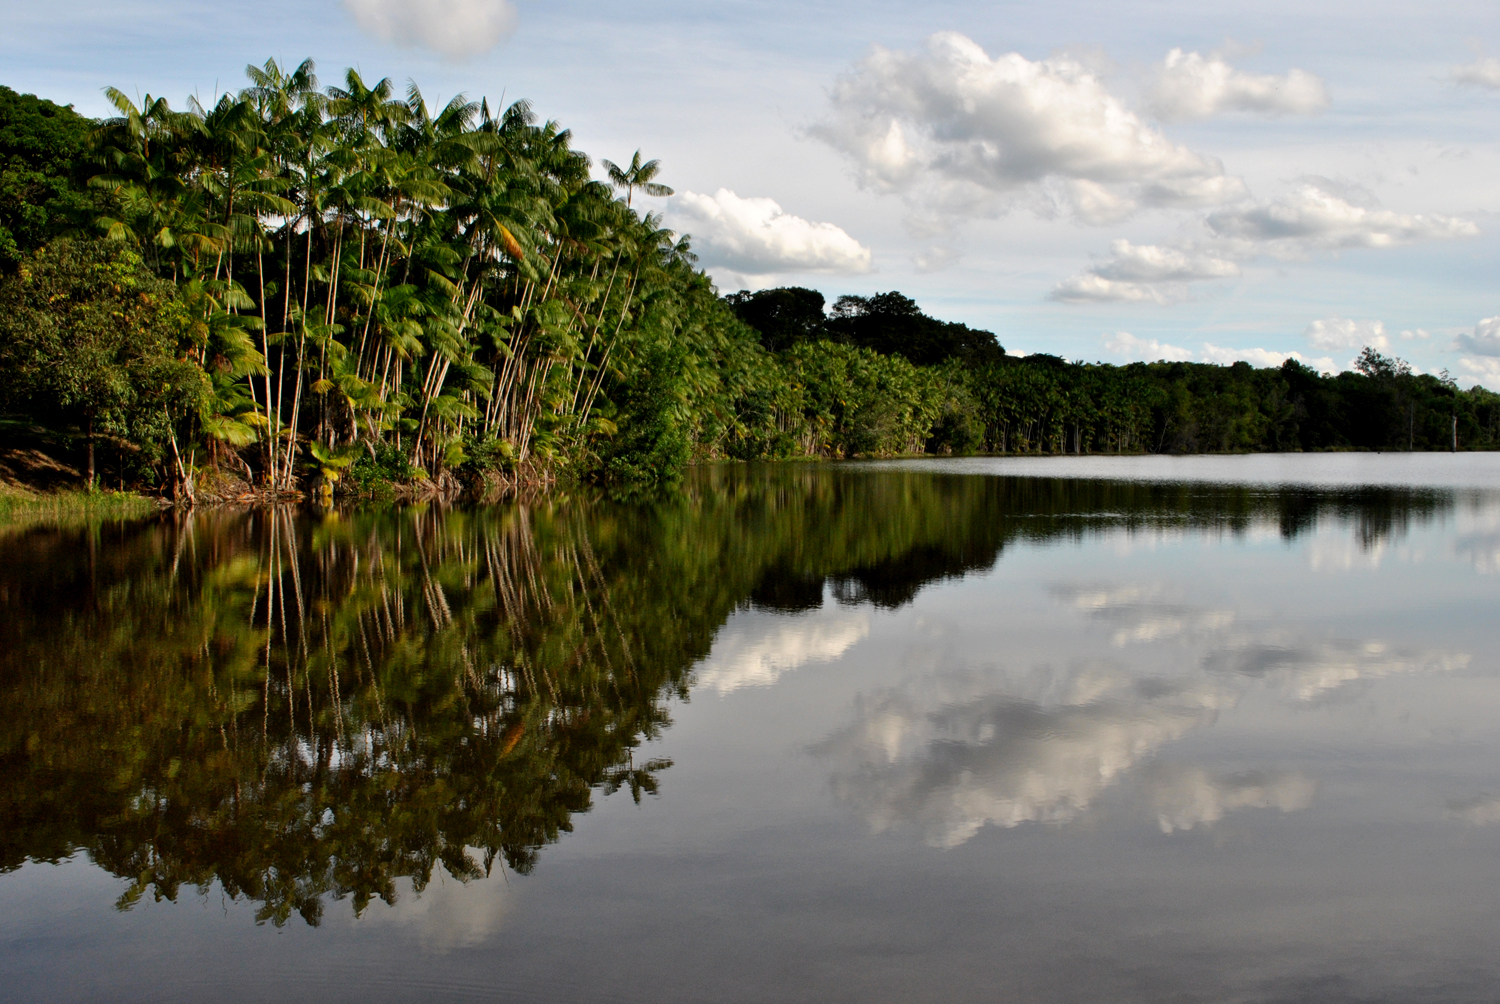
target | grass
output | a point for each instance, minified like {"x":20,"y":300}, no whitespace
{"x":20,"y":510}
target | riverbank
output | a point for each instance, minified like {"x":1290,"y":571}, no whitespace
{"x":36,"y":487}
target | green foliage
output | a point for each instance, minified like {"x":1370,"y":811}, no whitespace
{"x":379,"y":467}
{"x":782,"y":317}
{"x":42,"y":149}
{"x":20,"y":512}
{"x":300,"y":271}
{"x":857,"y":402}
{"x":893,"y":324}
{"x":90,"y":343}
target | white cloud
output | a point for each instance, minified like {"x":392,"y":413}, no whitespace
{"x":1480,"y":73}
{"x":1143,"y":273}
{"x":959,"y":132}
{"x":754,"y":236}
{"x":1331,"y":333}
{"x":1190,"y":86}
{"x":1315,"y":215}
{"x":458,"y":28}
{"x":1486,"y":370}
{"x":745,"y":657}
{"x":1263,"y":357}
{"x":934,"y":258}
{"x":1418,"y":333}
{"x":1151,"y":263}
{"x":1319,"y":214}
{"x":1485,"y":341}
{"x":1090,"y":288}
{"x":1123,"y":343}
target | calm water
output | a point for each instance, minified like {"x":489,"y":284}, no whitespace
{"x":1081,"y":730}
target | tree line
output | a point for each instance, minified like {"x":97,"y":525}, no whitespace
{"x":971,"y":396}
{"x":301,"y":284}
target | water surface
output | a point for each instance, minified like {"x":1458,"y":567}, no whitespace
{"x":1218,"y":729}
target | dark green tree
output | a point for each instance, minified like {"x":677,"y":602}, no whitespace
{"x":43,"y":166}
{"x":783,"y":317}
{"x":89,"y":345}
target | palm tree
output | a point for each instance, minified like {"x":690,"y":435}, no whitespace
{"x":637,"y":175}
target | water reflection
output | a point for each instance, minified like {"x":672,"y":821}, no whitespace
{"x":957,"y":749}
{"x":952,"y":753}
{"x":1481,"y":810}
{"x":301,"y":708}
{"x":749,"y":655}
{"x":1185,"y":797}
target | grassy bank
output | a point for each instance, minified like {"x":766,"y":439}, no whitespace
{"x":20,"y":509}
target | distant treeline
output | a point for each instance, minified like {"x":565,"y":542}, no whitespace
{"x":980,"y":399}
{"x":299,"y":284}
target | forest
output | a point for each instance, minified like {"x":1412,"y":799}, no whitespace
{"x":300,"y":287}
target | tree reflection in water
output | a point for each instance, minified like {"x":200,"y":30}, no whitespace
{"x":303,"y":707}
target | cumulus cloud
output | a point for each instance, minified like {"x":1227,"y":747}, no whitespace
{"x":1263,"y":357}
{"x":1485,"y":341}
{"x":1128,"y":346}
{"x":958,"y":132}
{"x":1150,"y":263}
{"x":1185,"y":797}
{"x":754,"y":654}
{"x":1333,"y":333}
{"x":1486,"y":370}
{"x":754,"y":236}
{"x":1144,"y":273}
{"x":1190,"y":86}
{"x":1318,"y":216}
{"x":458,"y":28}
{"x":1480,"y":73}
{"x":1090,"y":288}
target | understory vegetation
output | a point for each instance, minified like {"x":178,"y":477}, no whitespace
{"x":301,"y":286}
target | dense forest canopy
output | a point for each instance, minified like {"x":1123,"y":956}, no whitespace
{"x":299,"y":285}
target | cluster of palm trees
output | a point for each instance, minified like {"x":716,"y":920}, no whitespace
{"x":363,"y":270}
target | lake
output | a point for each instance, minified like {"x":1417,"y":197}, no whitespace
{"x":1065,"y":729}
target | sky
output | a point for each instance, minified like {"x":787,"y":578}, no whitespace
{"x":1097,"y":180}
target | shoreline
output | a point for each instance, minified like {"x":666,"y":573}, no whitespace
{"x":47,"y":501}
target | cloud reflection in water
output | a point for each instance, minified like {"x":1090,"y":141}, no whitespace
{"x":952,"y":751}
{"x":750,"y":652}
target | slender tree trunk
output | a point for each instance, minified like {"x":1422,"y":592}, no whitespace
{"x":91,"y":451}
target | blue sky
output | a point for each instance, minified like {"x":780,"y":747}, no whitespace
{"x":1096,"y":180}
